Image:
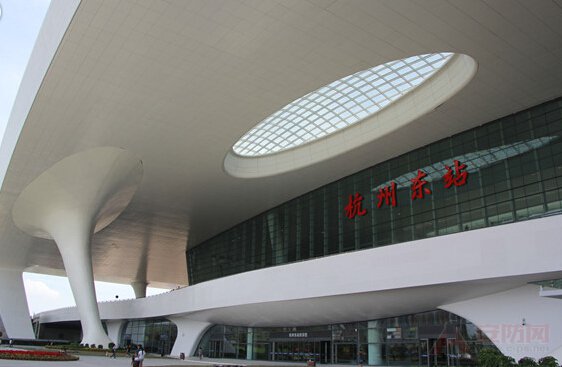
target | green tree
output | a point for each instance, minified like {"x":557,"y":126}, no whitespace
{"x":548,"y":361}
{"x":506,"y":361}
{"x":490,"y":357}
{"x":527,"y":362}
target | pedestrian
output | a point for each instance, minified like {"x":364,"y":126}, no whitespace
{"x":140,"y":356}
{"x":200,"y":353}
{"x":114,"y":351}
{"x":128,"y":350}
{"x":360,"y":358}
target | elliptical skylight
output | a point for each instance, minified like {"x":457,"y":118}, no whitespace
{"x":338,"y":105}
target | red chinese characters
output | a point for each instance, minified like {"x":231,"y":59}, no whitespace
{"x":418,"y":189}
{"x":458,"y":177}
{"x":354,"y":206}
{"x":387,"y":195}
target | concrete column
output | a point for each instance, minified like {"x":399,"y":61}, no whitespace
{"x":3,"y":332}
{"x":73,"y":237}
{"x":13,"y":305}
{"x":68,"y":203}
{"x":519,"y":321}
{"x":189,"y":334}
{"x":114,"y":328}
{"x":250,"y":344}
{"x":374,"y":338}
{"x":140,"y":289}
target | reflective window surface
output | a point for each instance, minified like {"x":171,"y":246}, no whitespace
{"x":514,"y":168}
{"x":435,"y":338}
{"x":338,"y":105}
{"x":155,"y":335}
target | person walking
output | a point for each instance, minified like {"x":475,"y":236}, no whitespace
{"x":139,"y":358}
{"x":114,"y":351}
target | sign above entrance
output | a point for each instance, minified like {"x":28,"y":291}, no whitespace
{"x":455,"y":176}
{"x":298,"y":335}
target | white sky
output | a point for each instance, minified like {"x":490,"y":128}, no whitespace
{"x":20,"y":22}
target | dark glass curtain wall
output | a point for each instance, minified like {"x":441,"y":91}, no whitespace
{"x":434,"y":338}
{"x":505,"y":171}
{"x":155,"y":335}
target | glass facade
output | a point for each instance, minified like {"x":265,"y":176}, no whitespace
{"x":435,"y":338}
{"x":505,"y":171}
{"x":155,"y":335}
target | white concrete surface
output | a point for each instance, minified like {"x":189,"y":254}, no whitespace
{"x":14,"y":310}
{"x":139,"y":288}
{"x":177,"y":83}
{"x":189,"y":333}
{"x":69,"y":202}
{"x":182,"y":96}
{"x":114,"y":329}
{"x":422,"y":277}
{"x":518,"y":321}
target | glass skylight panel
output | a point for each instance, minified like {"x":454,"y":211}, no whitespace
{"x":338,"y":105}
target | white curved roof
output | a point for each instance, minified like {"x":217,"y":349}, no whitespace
{"x":177,"y":84}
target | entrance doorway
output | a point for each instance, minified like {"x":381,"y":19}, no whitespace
{"x":439,"y":352}
{"x":301,"y":350}
{"x":345,"y":353}
{"x":215,"y":349}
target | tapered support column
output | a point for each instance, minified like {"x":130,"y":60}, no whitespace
{"x":115,"y":329}
{"x":518,"y":321}
{"x":189,"y":333}
{"x":73,"y":235}
{"x":140,"y":289}
{"x":13,"y":305}
{"x":69,"y":202}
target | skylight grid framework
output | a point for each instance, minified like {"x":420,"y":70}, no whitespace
{"x":338,"y":105}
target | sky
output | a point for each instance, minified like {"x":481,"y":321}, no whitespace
{"x":20,"y":21}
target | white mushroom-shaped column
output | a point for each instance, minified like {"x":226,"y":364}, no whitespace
{"x":139,"y":288}
{"x":71,"y":201}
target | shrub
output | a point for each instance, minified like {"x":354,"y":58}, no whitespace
{"x":527,"y":362}
{"x":100,"y":346}
{"x":548,"y":361}
{"x":111,"y":345}
{"x":92,"y":345}
{"x":36,"y":355}
{"x":489,"y":357}
{"x":507,"y":361}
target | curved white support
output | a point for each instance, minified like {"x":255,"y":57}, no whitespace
{"x":189,"y":333}
{"x":13,"y":305}
{"x":519,"y":322}
{"x":114,"y":328}
{"x":71,"y":201}
{"x":140,"y":289}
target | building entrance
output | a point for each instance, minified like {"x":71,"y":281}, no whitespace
{"x":433,"y":338}
{"x":301,"y":350}
{"x":345,"y":353}
{"x":215,"y":349}
{"x":439,"y":352}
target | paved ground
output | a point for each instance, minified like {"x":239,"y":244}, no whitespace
{"x":99,"y":361}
